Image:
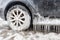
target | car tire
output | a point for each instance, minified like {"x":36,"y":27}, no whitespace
{"x":18,"y":17}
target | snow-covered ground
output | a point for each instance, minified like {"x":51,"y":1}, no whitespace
{"x":6,"y":34}
{"x":11,"y":35}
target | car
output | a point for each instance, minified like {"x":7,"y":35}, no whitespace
{"x":23,"y":14}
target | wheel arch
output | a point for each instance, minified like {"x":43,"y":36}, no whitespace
{"x":21,"y":3}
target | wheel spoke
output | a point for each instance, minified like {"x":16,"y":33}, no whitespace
{"x":17,"y":11}
{"x":22,"y":17}
{"x":12,"y":17}
{"x":14,"y":23}
{"x":17,"y":24}
{"x":12,"y":20}
{"x":14,"y":13}
{"x":21,"y":21}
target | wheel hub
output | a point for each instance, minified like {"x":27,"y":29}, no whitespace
{"x":18,"y":19}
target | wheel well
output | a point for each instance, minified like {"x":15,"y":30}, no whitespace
{"x":20,"y":3}
{"x":14,"y":3}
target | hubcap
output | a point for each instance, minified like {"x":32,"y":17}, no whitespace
{"x":18,"y":19}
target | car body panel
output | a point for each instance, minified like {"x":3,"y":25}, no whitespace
{"x":38,"y":8}
{"x":29,"y":4}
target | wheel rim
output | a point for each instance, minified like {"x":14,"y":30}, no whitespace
{"x":18,"y":19}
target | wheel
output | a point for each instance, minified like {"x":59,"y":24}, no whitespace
{"x":18,"y":17}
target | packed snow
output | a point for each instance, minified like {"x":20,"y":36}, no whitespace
{"x":6,"y":34}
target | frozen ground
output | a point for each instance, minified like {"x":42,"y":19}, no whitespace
{"x":6,"y":34}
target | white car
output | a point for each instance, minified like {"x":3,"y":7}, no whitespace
{"x":22,"y":14}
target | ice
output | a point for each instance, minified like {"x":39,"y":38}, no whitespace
{"x":3,"y":23}
{"x":19,"y":37}
{"x":31,"y":36}
{"x":6,"y":34}
{"x":1,"y":38}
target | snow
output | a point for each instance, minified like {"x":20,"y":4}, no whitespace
{"x":37,"y":36}
{"x":6,"y":34}
{"x":29,"y":36}
{"x":3,"y":23}
{"x":1,"y":38}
